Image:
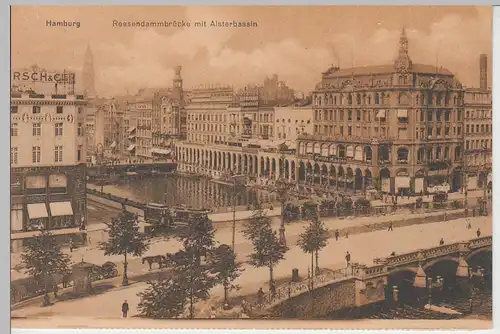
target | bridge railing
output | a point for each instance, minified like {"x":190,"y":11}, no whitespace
{"x":423,"y":254}
{"x":115,"y":198}
{"x":293,"y":289}
{"x":481,"y":242}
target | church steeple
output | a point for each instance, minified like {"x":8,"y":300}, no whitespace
{"x":403,"y":61}
{"x":88,"y":73}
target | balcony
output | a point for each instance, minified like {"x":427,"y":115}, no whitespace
{"x":384,"y":162}
{"x":58,"y":96}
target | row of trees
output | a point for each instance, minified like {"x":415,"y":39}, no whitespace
{"x":196,"y":268}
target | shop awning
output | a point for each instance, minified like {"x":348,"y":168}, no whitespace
{"x":131,"y":129}
{"x":381,"y":113}
{"x":113,"y":144}
{"x":131,"y":137}
{"x":37,"y":210}
{"x":61,"y":209}
{"x":161,"y":151}
{"x":130,"y":148}
{"x":402,"y":113}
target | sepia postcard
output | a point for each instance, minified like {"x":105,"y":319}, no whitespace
{"x":251,"y":167}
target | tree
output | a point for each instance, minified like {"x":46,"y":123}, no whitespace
{"x":313,"y":239}
{"x":199,"y":236}
{"x":196,"y":280}
{"x":226,"y":268}
{"x":43,"y":259}
{"x":125,"y":238}
{"x":163,"y":299}
{"x":267,"y":248}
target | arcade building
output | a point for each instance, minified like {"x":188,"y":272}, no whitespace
{"x":395,"y":127}
{"x":48,"y":163}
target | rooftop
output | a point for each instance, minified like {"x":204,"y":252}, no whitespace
{"x":384,"y":69}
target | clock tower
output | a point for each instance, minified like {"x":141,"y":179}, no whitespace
{"x":403,"y":62}
{"x":177,"y":94}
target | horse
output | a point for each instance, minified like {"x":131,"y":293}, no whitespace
{"x":160,"y":259}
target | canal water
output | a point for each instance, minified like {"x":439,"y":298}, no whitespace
{"x":482,"y":307}
{"x":193,"y":192}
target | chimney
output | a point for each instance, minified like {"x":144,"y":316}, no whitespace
{"x":483,"y":71}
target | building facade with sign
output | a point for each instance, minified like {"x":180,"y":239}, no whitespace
{"x":48,"y":163}
{"x":396,"y":127}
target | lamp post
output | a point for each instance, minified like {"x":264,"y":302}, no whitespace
{"x":484,"y":205}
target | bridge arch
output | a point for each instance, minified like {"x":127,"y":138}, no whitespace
{"x":431,"y":263}
{"x":403,"y":278}
{"x":478,"y":251}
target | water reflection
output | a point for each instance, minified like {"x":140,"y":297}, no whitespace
{"x":198,"y":193}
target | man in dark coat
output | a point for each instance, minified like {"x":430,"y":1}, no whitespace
{"x":478,"y":233}
{"x":337,"y":234}
{"x":125,"y":309}
{"x":348,"y":258}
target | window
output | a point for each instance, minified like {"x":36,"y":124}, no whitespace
{"x":58,"y":154}
{"x":13,"y":109}
{"x":429,"y":116}
{"x":13,"y":155}
{"x":349,"y":130}
{"x":37,"y":129}
{"x":80,"y":109}
{"x":438,"y":131}
{"x":36,"y":153}
{"x":80,"y":130}
{"x":429,"y":131}
{"x":58,"y":129}
{"x":341,"y":130}
{"x":358,"y":115}
{"x":36,"y":109}
{"x":13,"y":129}
{"x":59,"y":109}
{"x":438,"y":116}
{"x":459,"y":116}
{"x":349,"y":115}
{"x":422,"y":116}
{"x":459,"y":131}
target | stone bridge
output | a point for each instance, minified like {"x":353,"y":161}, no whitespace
{"x":359,"y":285}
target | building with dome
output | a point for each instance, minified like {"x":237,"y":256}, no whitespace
{"x":395,"y":127}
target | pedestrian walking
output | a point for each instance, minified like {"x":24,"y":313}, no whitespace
{"x":346,"y":234}
{"x":212,"y":313}
{"x":478,"y":232}
{"x":71,"y":246}
{"x":348,"y":258}
{"x":441,"y":242}
{"x":390,"y":226}
{"x":125,"y":309}
{"x":337,"y":234}
{"x":260,"y":296}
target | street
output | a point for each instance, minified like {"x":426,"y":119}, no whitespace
{"x":363,"y":248}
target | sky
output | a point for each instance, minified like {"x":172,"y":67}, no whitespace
{"x":295,"y":42}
